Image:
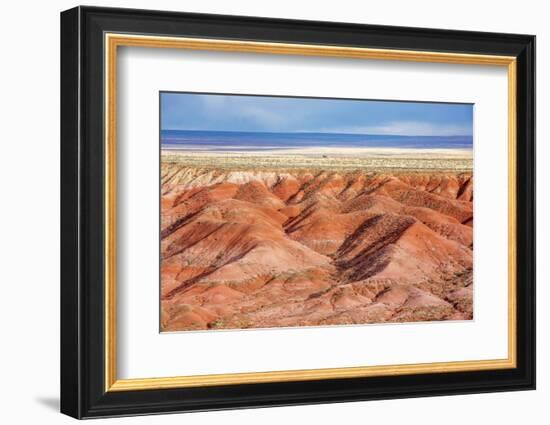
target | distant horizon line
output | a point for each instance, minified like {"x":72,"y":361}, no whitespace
{"x":318,"y":132}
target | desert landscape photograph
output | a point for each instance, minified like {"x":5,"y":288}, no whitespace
{"x":281,"y":211}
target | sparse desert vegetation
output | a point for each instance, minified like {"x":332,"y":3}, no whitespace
{"x":368,"y":160}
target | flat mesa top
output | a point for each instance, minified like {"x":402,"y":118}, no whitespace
{"x":410,"y":160}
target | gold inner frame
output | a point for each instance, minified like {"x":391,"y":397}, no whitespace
{"x":113,"y":41}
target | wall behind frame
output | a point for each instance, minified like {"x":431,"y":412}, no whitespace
{"x":29,"y":219}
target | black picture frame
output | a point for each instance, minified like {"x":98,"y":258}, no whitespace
{"x":83,"y":392}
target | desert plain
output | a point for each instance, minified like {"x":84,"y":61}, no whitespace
{"x":302,"y":238}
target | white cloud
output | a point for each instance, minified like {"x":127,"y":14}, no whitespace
{"x":214,"y":102}
{"x":268,"y":117}
{"x":263,"y":116}
{"x":280,"y":115}
{"x":407,"y":128}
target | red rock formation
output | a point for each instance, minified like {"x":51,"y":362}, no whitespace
{"x":247,"y":249}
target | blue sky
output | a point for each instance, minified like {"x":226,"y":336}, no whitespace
{"x":188,"y":111}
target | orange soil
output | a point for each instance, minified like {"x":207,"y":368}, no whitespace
{"x":246,"y":249}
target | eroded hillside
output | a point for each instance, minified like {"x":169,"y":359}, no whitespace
{"x":244,"y":249}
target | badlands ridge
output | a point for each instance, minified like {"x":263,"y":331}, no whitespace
{"x":258,"y":249}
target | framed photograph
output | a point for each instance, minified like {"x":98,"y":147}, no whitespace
{"x":261,"y":212}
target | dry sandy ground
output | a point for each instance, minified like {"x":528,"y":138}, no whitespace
{"x":345,"y":152}
{"x":366,"y":159}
